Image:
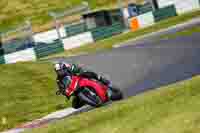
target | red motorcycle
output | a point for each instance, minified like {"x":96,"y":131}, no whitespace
{"x":90,"y":92}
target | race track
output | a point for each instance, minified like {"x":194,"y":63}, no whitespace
{"x":139,"y":66}
{"x":146,"y":64}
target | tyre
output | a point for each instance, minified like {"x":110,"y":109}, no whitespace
{"x":116,"y":94}
{"x":90,"y":97}
{"x":77,"y":103}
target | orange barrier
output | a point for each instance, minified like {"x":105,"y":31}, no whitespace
{"x":134,"y":24}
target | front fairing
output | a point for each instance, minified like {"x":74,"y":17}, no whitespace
{"x":100,"y":89}
{"x":72,"y":87}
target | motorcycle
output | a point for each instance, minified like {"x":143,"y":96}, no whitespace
{"x":90,"y":92}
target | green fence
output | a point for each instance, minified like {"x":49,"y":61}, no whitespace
{"x":107,"y":31}
{"x":17,"y":45}
{"x":1,"y":51}
{"x":2,"y":60}
{"x":144,"y":8}
{"x":44,"y":49}
{"x":75,"y":29}
{"x":164,"y":13}
{"x":116,"y":16}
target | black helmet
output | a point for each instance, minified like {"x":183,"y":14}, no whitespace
{"x":62,"y":69}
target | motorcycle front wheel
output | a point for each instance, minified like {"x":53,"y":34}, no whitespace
{"x":90,"y":97}
{"x":77,"y":103}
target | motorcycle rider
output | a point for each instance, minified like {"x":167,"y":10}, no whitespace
{"x":65,"y":70}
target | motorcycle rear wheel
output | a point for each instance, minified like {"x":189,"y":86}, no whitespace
{"x":116,"y":94}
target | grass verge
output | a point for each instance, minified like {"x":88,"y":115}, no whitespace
{"x":186,"y":32}
{"x":27,"y":93}
{"x":171,"y":109}
{"x":107,"y":44}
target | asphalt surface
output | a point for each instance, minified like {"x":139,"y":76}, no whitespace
{"x":147,"y":64}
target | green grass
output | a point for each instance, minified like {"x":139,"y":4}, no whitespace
{"x":107,"y":44}
{"x":27,"y":93}
{"x":186,"y":32}
{"x":15,"y":12}
{"x":171,"y":109}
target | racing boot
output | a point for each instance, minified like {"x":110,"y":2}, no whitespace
{"x":109,"y":93}
{"x":108,"y":84}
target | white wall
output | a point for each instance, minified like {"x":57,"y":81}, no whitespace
{"x":183,"y":6}
{"x":164,"y":3}
{"x":126,"y":13}
{"x":24,"y":55}
{"x":49,"y":36}
{"x":77,"y":40}
{"x":146,"y":19}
